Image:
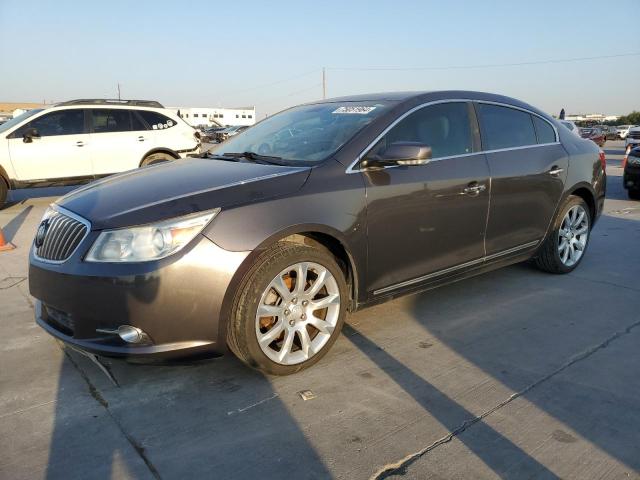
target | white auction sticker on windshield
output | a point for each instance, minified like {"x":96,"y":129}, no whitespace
{"x":358,"y":110}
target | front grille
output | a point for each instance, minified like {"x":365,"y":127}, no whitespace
{"x":62,"y":236}
{"x":634,"y":135}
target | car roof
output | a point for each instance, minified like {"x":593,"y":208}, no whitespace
{"x":429,"y":96}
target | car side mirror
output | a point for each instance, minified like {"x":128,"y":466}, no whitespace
{"x":29,"y":135}
{"x":400,"y":153}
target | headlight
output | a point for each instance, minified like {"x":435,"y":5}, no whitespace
{"x":148,"y":242}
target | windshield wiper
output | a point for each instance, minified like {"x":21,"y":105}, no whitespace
{"x":256,"y":157}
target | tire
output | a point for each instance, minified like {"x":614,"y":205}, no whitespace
{"x":634,"y":194}
{"x":549,"y":258}
{"x":155,"y":158}
{"x":289,"y":322}
{"x":4,"y":191}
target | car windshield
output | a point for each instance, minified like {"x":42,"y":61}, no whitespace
{"x":15,"y":121}
{"x":307,"y":133}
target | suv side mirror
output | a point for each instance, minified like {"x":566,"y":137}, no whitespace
{"x":29,"y":135}
{"x":401,"y":153}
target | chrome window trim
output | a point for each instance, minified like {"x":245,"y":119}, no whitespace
{"x":69,"y":214}
{"x":471,"y":263}
{"x":350,"y":169}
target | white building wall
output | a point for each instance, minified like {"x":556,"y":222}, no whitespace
{"x":196,"y":116}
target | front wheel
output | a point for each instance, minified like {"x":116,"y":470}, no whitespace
{"x":155,"y":158}
{"x":564,"y":248}
{"x":289,"y":310}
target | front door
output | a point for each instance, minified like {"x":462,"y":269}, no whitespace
{"x":58,"y":151}
{"x":528,"y":169}
{"x":427,"y":221}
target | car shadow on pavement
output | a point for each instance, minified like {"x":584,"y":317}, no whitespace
{"x":197,"y":419}
{"x":450,"y":414}
{"x":12,"y":227}
{"x":522,"y":327}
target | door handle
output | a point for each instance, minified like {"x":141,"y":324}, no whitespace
{"x":141,"y":138}
{"x":474,"y":189}
{"x":80,"y":144}
{"x":555,"y":171}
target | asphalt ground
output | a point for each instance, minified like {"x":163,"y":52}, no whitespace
{"x":512,"y":374}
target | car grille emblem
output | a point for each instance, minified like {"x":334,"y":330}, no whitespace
{"x":41,"y":233}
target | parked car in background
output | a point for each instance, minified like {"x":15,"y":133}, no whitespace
{"x":573,"y":128}
{"x":632,"y":139}
{"x":222,"y":135}
{"x":209,"y":134}
{"x":319,"y":210}
{"x":595,"y":134}
{"x":623,"y":130}
{"x":631,"y":175}
{"x":610,"y":132}
{"x":81,"y":140}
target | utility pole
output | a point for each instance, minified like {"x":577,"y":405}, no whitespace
{"x":324,"y":83}
{"x":118,"y":90}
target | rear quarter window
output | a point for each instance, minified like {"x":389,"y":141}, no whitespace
{"x":504,"y":127}
{"x":544,"y":131}
{"x":155,"y":120}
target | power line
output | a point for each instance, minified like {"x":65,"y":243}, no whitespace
{"x":489,"y":65}
{"x":277,"y":82}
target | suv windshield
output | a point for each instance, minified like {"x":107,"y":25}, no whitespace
{"x":308,"y":133}
{"x":14,"y":121}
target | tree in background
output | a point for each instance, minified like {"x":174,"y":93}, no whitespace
{"x":631,"y":119}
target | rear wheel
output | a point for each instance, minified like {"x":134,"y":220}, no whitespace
{"x":289,"y":310}
{"x":156,"y":158}
{"x":4,"y":191}
{"x":565,"y":246}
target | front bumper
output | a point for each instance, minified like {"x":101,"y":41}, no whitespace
{"x":179,"y":302}
{"x":631,"y":177}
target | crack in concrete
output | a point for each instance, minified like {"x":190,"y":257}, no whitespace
{"x":401,"y":466}
{"x":95,"y":393}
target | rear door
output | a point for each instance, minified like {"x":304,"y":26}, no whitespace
{"x":60,"y":151}
{"x":528,"y":168}
{"x":426,"y":221}
{"x":118,"y":140}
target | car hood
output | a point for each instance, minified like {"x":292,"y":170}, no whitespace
{"x":178,"y":188}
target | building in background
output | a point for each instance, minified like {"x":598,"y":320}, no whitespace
{"x":592,"y":118}
{"x":210,"y":117}
{"x":9,"y":110}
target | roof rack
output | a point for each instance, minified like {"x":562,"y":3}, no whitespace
{"x":112,"y":101}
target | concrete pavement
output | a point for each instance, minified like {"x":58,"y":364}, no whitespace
{"x":512,"y":374}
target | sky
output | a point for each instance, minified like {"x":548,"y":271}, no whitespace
{"x":271,"y":54}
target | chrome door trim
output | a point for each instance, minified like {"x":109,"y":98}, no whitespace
{"x":351,"y":168}
{"x":471,"y":263}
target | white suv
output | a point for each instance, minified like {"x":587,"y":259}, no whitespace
{"x":81,"y":140}
{"x":632,"y":139}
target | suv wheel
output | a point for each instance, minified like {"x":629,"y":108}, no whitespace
{"x":564,"y":248}
{"x":156,"y":158}
{"x":289,"y":310}
{"x":4,"y":190}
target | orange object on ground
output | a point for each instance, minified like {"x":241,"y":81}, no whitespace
{"x":4,"y":245}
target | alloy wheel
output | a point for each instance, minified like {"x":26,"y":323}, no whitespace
{"x":573,"y":235}
{"x":298,"y":313}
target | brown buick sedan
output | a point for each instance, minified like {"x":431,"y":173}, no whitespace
{"x":267,"y":242}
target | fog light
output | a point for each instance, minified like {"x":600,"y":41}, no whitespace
{"x":131,"y":334}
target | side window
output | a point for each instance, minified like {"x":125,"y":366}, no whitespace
{"x":444,"y":127}
{"x":504,"y":127}
{"x":61,"y":122}
{"x":108,"y":121}
{"x":545,"y":132}
{"x":155,"y":120}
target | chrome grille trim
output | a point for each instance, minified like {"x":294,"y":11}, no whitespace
{"x":64,"y":235}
